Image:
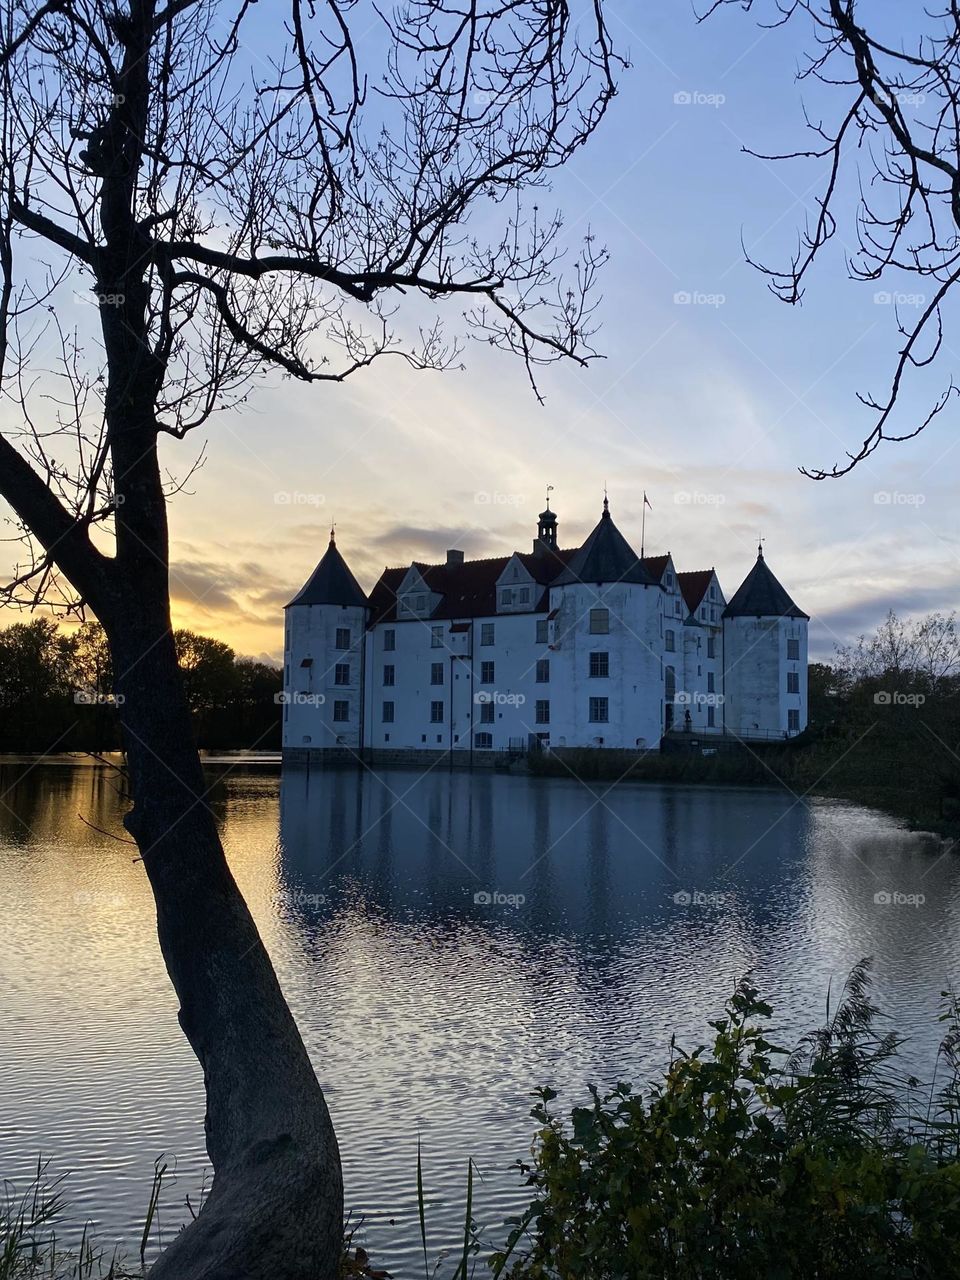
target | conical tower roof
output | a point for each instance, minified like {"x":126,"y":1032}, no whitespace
{"x":760,"y":595}
{"x":331,"y":582}
{"x":606,"y":556}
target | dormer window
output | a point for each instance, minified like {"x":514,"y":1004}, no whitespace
{"x":506,"y":596}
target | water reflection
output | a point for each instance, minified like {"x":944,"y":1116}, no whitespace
{"x":611,"y":919}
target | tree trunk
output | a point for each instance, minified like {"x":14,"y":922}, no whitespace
{"x":275,"y":1207}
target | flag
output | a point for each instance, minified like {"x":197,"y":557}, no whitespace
{"x":646,"y":501}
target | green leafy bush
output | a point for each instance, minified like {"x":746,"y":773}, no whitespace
{"x":747,"y":1160}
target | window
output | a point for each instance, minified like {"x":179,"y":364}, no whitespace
{"x":436,"y":637}
{"x":793,"y":720}
{"x":710,"y":688}
{"x":543,"y":671}
{"x":436,"y":673}
{"x":793,"y":682}
{"x":436,"y":713}
{"x":711,"y":717}
{"x":711,"y":647}
{"x":793,"y":650}
{"x":668,"y":578}
{"x":676,"y":608}
{"x":599,"y":710}
{"x":341,"y":673}
{"x":523,"y":595}
{"x":506,"y":596}
{"x":487,"y":712}
{"x":543,"y":631}
{"x":542,"y":711}
{"x":388,"y":713}
{"x":389,"y":641}
{"x":486,"y":672}
{"x":599,"y":665}
{"x":389,"y":674}
{"x":483,"y":741}
{"x":341,"y":711}
{"x":343,"y":637}
{"x":486,"y":633}
{"x":669,"y":641}
{"x":599,"y":622}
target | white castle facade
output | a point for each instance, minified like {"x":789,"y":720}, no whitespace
{"x":591,"y":646}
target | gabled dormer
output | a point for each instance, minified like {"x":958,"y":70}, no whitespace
{"x":517,"y":590}
{"x":702,"y":597}
{"x":415,"y":597}
{"x":663,"y":571}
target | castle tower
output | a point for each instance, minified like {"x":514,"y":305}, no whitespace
{"x":764,"y":659}
{"x":607,"y":644}
{"x":324,"y":644}
{"x":546,"y":529}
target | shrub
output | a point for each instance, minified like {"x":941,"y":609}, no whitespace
{"x":746,"y":1160}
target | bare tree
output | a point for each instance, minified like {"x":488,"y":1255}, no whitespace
{"x":897,"y":135}
{"x":235,"y":207}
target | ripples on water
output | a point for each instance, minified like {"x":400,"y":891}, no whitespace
{"x":429,"y":1014}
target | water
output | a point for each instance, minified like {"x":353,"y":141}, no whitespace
{"x":429,"y":1013}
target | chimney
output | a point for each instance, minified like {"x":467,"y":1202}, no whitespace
{"x":454,"y":557}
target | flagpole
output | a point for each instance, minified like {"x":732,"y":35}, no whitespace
{"x":643,"y":522}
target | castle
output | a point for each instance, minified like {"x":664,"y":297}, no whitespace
{"x":589,"y":646}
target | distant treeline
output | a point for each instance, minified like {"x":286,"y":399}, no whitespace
{"x":884,"y":729}
{"x":56,"y":691}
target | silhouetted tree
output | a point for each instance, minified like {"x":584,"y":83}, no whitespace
{"x":234,"y":208}
{"x":895,"y":139}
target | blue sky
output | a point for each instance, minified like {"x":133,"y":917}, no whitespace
{"x":710,"y":404}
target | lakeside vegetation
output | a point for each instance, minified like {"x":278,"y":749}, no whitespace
{"x":57,"y":691}
{"x":884,"y":730}
{"x":744,"y":1158}
{"x":884,"y":717}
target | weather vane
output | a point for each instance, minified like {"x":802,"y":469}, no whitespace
{"x":549,"y":491}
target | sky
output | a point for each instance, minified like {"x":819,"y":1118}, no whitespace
{"x":710,"y":396}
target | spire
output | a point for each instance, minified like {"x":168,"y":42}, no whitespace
{"x":546,"y":527}
{"x":606,"y":504}
{"x":331,"y":582}
{"x":760,"y":547}
{"x":760,"y":595}
{"x":606,"y":556}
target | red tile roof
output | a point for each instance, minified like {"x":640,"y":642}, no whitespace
{"x":693,"y":586}
{"x":468,"y":590}
{"x":655,"y":566}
